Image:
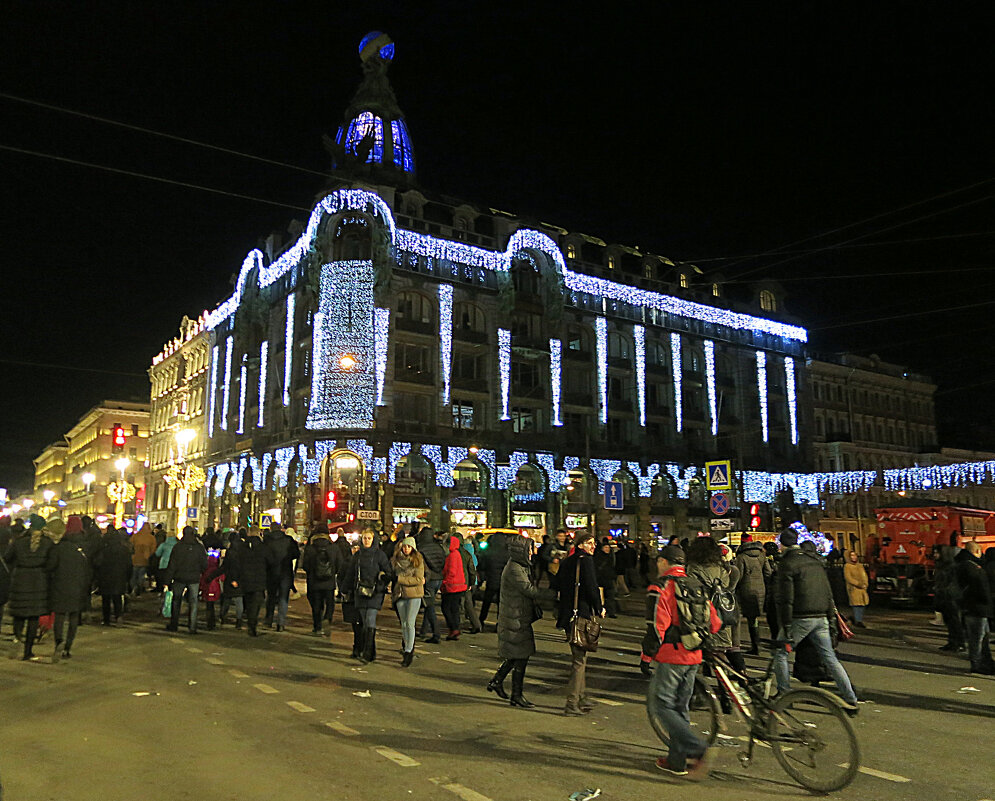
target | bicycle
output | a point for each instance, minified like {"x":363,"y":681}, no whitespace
{"x":807,"y":729}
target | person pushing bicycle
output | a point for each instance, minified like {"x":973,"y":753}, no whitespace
{"x":679,"y":616}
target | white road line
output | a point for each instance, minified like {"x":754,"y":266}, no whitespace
{"x":238,"y":674}
{"x":460,"y":790}
{"x":195,"y":650}
{"x":176,"y":640}
{"x":397,"y":757}
{"x":341,"y":728}
{"x":297,"y":705}
{"x":213,"y":660}
{"x":450,"y":659}
{"x":606,"y":701}
{"x":880,"y":774}
{"x":488,"y":671}
{"x":265,"y":688}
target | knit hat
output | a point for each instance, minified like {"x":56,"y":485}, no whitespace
{"x":672,"y":553}
{"x":36,"y":522}
{"x":788,"y":537}
{"x":410,"y":542}
{"x":321,"y":528}
{"x":581,"y":537}
{"x":55,"y":528}
{"x":74,"y":525}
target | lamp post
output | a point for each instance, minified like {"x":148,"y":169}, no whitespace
{"x":120,"y":492}
{"x":87,"y":478}
{"x":185,"y":478}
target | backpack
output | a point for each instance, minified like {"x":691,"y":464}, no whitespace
{"x":725,"y":604}
{"x":694,"y":617}
{"x":323,"y":566}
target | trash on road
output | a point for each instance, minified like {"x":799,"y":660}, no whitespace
{"x":363,"y":694}
{"x":964,"y":690}
{"x":191,"y":683}
{"x":586,"y":794}
{"x":143,"y":694}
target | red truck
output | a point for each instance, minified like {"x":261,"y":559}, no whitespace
{"x":902,"y":554}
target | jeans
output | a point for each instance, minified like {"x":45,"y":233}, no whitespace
{"x":137,"y":583}
{"x":451,"y":604}
{"x":407,"y":613}
{"x":818,"y":629}
{"x":858,"y":614}
{"x":236,"y":601}
{"x":368,"y":617}
{"x":322,"y":605}
{"x":470,"y":611}
{"x":278,"y":592}
{"x":577,"y":688}
{"x":667,"y":699}
{"x":192,"y":591}
{"x":60,"y":625}
{"x":978,"y":648}
{"x":430,"y":619}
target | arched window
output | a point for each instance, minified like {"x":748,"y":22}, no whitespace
{"x":415,"y":308}
{"x":768,"y":302}
{"x":571,"y":252}
{"x":619,"y":346}
{"x":468,"y":317}
{"x":612,"y":263}
{"x":352,"y":240}
{"x":716,"y":292}
{"x":662,"y":490}
{"x":579,"y":338}
{"x":684,"y":281}
{"x":656,"y":353}
{"x":525,"y":276}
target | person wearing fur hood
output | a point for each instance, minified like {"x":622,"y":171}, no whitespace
{"x":27,"y":559}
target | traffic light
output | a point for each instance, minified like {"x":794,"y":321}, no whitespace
{"x":754,"y":523}
{"x":756,"y":517}
{"x":330,"y":501}
{"x":118,"y":439}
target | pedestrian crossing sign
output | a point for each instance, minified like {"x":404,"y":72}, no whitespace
{"x":718,"y":475}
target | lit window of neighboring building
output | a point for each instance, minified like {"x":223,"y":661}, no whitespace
{"x":767,"y":300}
{"x":685,"y":283}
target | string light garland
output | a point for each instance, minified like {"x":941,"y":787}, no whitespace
{"x":343,"y":379}
{"x":446,"y":338}
{"x":398,"y":450}
{"x":601,"y":357}
{"x":710,"y":384}
{"x":225,"y":395}
{"x":639,"y":336}
{"x":242,"y":375}
{"x":504,"y":369}
{"x":676,"y":367}
{"x":213,"y":391}
{"x":381,"y":340}
{"x":263,"y":365}
{"x":556,"y":377}
{"x":762,"y":393}
{"x":288,"y":343}
{"x":789,"y":381}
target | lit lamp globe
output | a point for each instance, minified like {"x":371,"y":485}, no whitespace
{"x":88,"y":479}
{"x":347,"y":362}
{"x":185,"y":437}
{"x":122,"y":463}
{"x":48,"y":495}
{"x":28,"y":503}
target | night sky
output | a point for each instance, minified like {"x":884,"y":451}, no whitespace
{"x":707,"y":132}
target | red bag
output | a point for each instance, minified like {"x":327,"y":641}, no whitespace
{"x":45,"y":622}
{"x":845,"y":632}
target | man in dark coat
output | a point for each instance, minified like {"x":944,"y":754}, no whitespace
{"x":754,"y":571}
{"x":976,"y":604}
{"x":250,"y":577}
{"x":27,"y":558}
{"x":282,"y":553}
{"x":493,"y":558}
{"x":434,"y":553}
{"x":70,"y":578}
{"x":604,"y":569}
{"x":187,"y":561}
{"x":112,"y":570}
{"x":322,"y":563}
{"x":5,"y":539}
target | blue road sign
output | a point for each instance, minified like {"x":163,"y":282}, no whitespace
{"x":719,"y":504}
{"x":614,"y":498}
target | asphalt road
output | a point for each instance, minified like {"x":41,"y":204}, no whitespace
{"x":141,"y":713}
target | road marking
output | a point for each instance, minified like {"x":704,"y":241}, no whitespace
{"x":299,"y":706}
{"x":450,"y":659}
{"x":238,"y":674}
{"x":341,"y":728}
{"x":606,"y":701}
{"x":176,"y":640}
{"x":397,"y":757}
{"x":265,"y":688}
{"x":880,"y":774}
{"x":460,"y":790}
{"x":213,"y":660}
{"x":195,"y":650}
{"x":488,"y":671}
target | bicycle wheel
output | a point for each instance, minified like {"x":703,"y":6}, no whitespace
{"x":703,"y":710}
{"x":812,"y":738}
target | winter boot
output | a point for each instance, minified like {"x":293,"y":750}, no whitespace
{"x":496,"y":684}
{"x":517,"y":684}
{"x":357,"y":641}
{"x":406,"y":660}
{"x":368,"y":653}
{"x":453,"y":635}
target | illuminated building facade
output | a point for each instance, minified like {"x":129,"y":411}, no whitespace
{"x":50,"y":474}
{"x":431,"y":359}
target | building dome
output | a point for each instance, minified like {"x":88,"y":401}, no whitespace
{"x":374,"y":136}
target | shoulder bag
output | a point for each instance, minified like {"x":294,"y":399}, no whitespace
{"x":583,"y":632}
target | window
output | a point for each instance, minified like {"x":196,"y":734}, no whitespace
{"x":579,"y":338}
{"x":618,"y":430}
{"x":768,"y":302}
{"x":612,"y":264}
{"x":685,"y":283}
{"x":470,"y":367}
{"x":412,"y":408}
{"x":527,"y":328}
{"x":715,"y":291}
{"x":618,"y":389}
{"x":524,"y":377}
{"x":571,"y":252}
{"x":463,"y":418}
{"x":133,"y":453}
{"x":619,"y":346}
{"x":412,"y":362}
{"x":134,"y":431}
{"x":656,"y":353}
{"x":648,"y":271}
{"x":525,"y":277}
{"x":415,"y":308}
{"x":468,"y":317}
{"x":524,"y":419}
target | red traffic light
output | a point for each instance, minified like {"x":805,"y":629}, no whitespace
{"x":118,"y":437}
{"x":754,"y":515}
{"x":330,"y":501}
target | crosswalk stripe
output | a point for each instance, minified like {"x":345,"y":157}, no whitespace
{"x":238,"y":674}
{"x":880,"y":774}
{"x":397,"y":757}
{"x":341,"y":728}
{"x":450,"y":659}
{"x":265,"y":688}
{"x":193,"y":650}
{"x":213,"y":660}
{"x":297,"y":705}
{"x":464,"y":792}
{"x":606,"y":701}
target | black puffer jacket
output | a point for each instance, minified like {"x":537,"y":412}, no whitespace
{"x":434,"y":553}
{"x":494,"y":557}
{"x":975,"y":594}
{"x":588,"y":595}
{"x":248,"y":566}
{"x":321,"y":550}
{"x":27,"y":558}
{"x":112,"y":566}
{"x":604,"y":567}
{"x":801,"y":588}
{"x":282,"y":552}
{"x":71,"y":575}
{"x":754,"y":572}
{"x":518,"y":593}
{"x":187,"y":561}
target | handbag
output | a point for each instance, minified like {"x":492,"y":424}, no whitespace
{"x":845,"y":632}
{"x":167,"y":603}
{"x":583,"y":632}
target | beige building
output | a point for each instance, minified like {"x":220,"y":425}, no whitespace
{"x":91,"y":457}
{"x":178,"y":440}
{"x":50,"y":475}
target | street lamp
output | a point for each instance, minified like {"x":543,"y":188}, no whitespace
{"x":28,"y":503}
{"x":185,"y":478}
{"x":120,"y":492}
{"x":88,"y":479}
{"x":48,"y":495}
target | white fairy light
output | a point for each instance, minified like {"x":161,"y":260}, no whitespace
{"x":504,"y":369}
{"x":213,"y":393}
{"x":381,"y":339}
{"x":710,"y":384}
{"x":762,"y":392}
{"x":639,"y":335}
{"x":789,"y":380}
{"x":446,"y":337}
{"x":263,"y":365}
{"x":677,"y":372}
{"x":288,"y":355}
{"x":556,"y":377}
{"x":226,"y":391}
{"x":601,"y":358}
{"x":242,"y":375}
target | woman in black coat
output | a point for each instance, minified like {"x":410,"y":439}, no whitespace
{"x":27,"y":558}
{"x":250,"y":578}
{"x":367,"y":579}
{"x":517,"y":612}
{"x":112,"y":569}
{"x":577,"y":577}
{"x":70,"y":577}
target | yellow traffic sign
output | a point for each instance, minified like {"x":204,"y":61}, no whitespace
{"x":718,"y":475}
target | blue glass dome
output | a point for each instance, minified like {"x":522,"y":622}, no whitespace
{"x":388,"y":143}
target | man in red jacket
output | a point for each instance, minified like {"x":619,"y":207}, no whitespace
{"x":674,"y":670}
